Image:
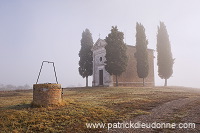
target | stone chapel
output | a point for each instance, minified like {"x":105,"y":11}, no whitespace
{"x":128,"y":78}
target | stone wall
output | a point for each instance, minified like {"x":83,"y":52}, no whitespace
{"x":47,"y":94}
{"x":130,"y":77}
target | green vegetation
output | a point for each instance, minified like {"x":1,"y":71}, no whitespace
{"x":165,"y":60}
{"x":85,"y":54}
{"x":116,"y":58}
{"x":82,"y":105}
{"x":141,"y":53}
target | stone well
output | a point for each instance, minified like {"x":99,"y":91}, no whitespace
{"x":47,"y":94}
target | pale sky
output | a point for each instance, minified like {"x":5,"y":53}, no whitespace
{"x":37,"y":30}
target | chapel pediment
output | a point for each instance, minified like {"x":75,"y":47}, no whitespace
{"x":99,"y":44}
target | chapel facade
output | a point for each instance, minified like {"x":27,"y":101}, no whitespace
{"x":128,"y":78}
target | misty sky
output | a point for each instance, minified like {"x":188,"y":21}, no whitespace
{"x":37,"y":30}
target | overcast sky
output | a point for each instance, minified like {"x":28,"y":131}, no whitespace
{"x":37,"y":30}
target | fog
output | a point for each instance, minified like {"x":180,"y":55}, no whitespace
{"x":33,"y":31}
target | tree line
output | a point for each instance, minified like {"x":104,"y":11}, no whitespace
{"x":116,"y":58}
{"x":13,"y":87}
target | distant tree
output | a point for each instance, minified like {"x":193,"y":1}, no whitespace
{"x":85,"y":54}
{"x":116,"y":58}
{"x":1,"y":85}
{"x":141,"y":53}
{"x":13,"y":87}
{"x":24,"y":87}
{"x":10,"y":87}
{"x":164,"y":55}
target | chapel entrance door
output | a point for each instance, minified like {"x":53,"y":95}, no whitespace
{"x":100,"y":77}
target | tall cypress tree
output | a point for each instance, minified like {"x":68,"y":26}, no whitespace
{"x":164,"y":55}
{"x":141,"y":53}
{"x":86,"y":55}
{"x":116,"y":58}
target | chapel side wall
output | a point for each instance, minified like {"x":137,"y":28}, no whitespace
{"x":150,"y":78}
{"x":130,"y":77}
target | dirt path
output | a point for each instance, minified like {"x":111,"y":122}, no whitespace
{"x":186,"y":110}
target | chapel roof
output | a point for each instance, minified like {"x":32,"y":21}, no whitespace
{"x":102,"y":43}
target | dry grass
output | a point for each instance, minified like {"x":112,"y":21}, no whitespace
{"x":82,"y":105}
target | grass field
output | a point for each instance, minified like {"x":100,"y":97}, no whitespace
{"x":81,"y":106}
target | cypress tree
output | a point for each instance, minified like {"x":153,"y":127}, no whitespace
{"x":116,"y":58}
{"x":141,"y":53}
{"x":165,"y":60}
{"x":86,"y":55}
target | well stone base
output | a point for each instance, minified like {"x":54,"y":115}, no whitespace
{"x":47,"y":94}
